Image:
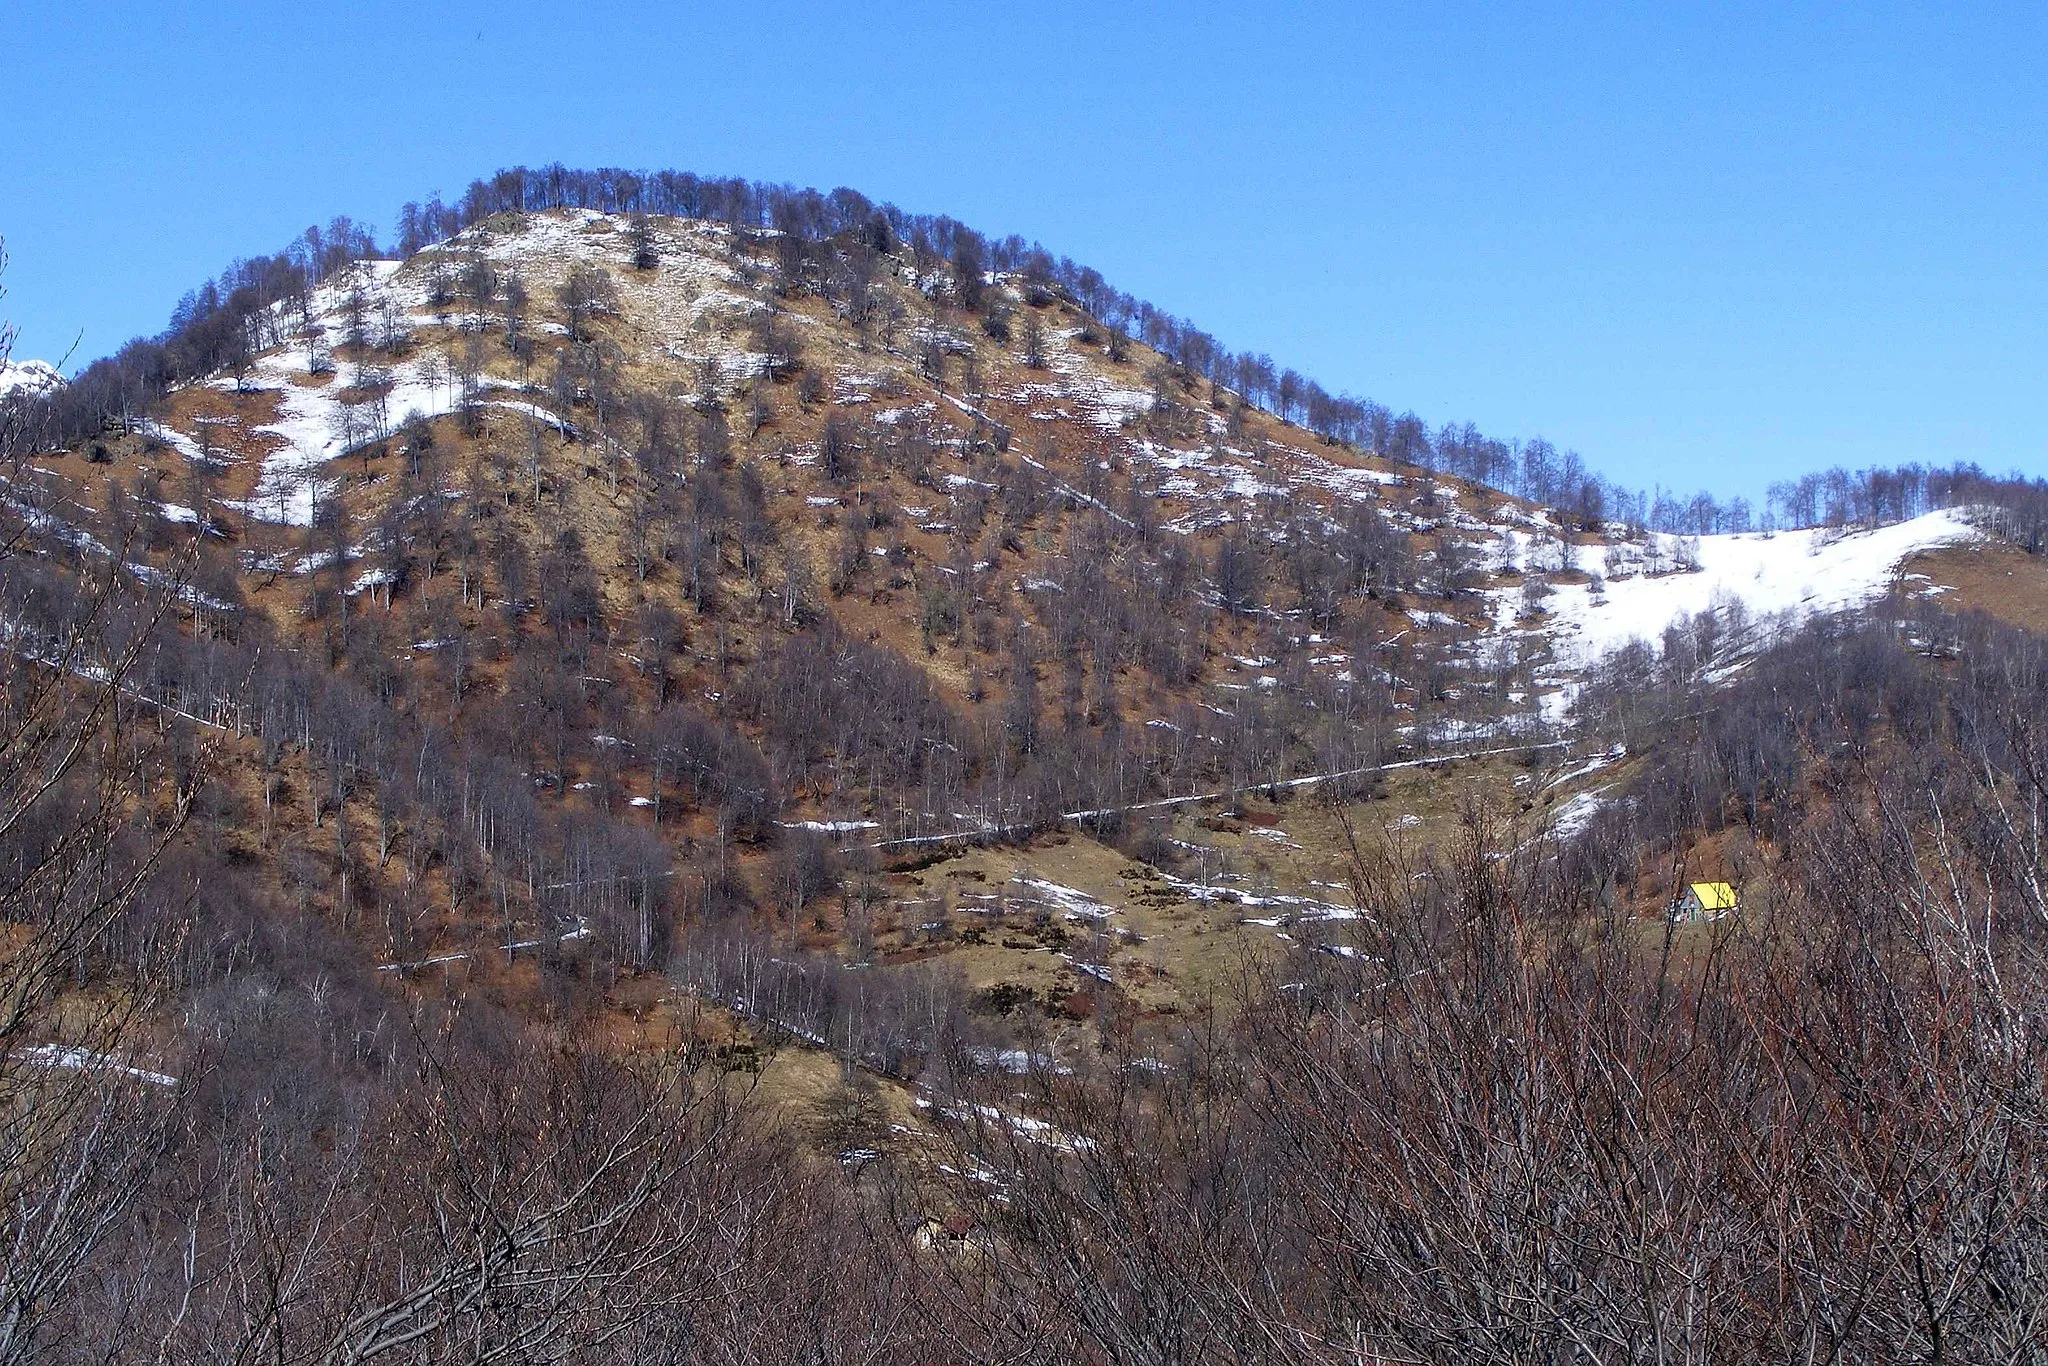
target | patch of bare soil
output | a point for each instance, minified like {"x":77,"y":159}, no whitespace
{"x":1996,"y":579}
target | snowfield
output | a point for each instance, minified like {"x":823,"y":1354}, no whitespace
{"x":1788,"y":576}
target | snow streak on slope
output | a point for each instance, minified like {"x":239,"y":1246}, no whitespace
{"x":1791,"y":575}
{"x":311,"y":426}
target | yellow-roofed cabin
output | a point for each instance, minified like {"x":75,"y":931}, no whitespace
{"x":1703,"y":901}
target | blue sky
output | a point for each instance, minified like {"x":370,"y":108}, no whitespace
{"x":1706,"y":246}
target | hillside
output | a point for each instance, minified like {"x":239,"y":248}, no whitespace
{"x":1108,"y":425}
{"x":708,"y":533}
{"x":636,"y":666}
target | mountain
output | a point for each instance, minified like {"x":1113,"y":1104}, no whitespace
{"x":28,"y":377}
{"x":1031,"y":378}
{"x":705,"y":532}
{"x":866,"y":762}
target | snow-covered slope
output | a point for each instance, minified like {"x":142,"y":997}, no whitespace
{"x":1790,"y":575}
{"x":28,"y":376}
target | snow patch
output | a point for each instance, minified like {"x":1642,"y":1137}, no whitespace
{"x":1789,"y":575}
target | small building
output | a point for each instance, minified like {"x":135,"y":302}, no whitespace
{"x":949,"y":1234}
{"x":1703,"y":901}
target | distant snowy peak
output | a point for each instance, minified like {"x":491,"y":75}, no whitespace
{"x":29,"y":376}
